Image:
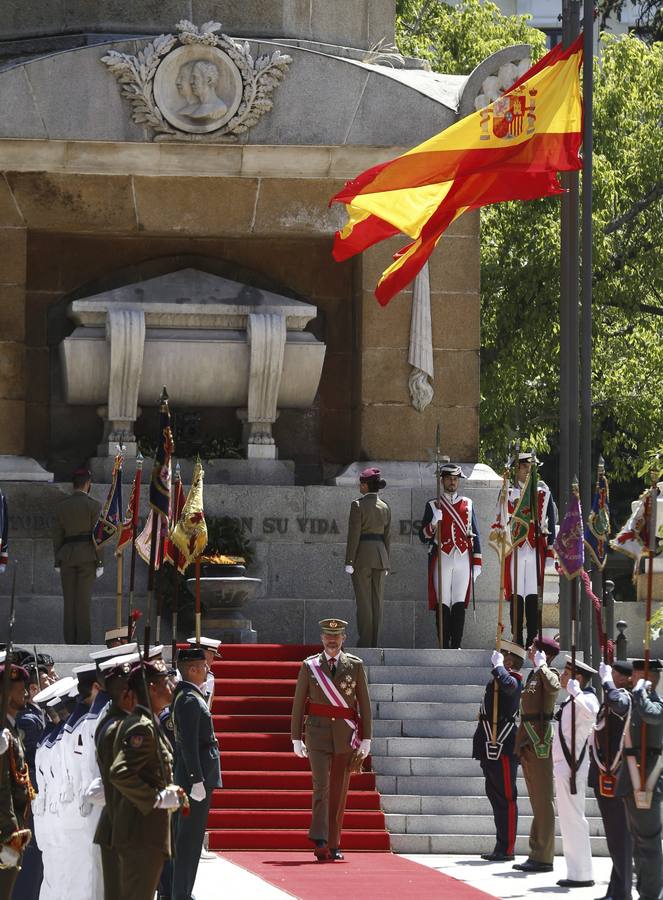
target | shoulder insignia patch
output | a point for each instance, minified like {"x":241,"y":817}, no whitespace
{"x":354,"y":658}
{"x":136,"y":741}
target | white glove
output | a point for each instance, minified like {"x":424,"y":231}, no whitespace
{"x":95,"y":792}
{"x":299,"y":748}
{"x":198,"y":792}
{"x":497,"y":659}
{"x":365,"y":747}
{"x":168,"y":798}
{"x":100,"y":571}
{"x":476,"y":571}
{"x":642,"y":685}
{"x":573,"y":687}
{"x":9,"y":857}
{"x":56,"y":568}
{"x":67,"y":794}
{"x":437,"y":514}
{"x":550,"y":565}
{"x":3,"y":569}
{"x":605,"y":672}
{"x":349,"y":570}
{"x":85,"y":808}
{"x":539,"y":660}
{"x":5,"y":739}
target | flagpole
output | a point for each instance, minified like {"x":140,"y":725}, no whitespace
{"x":651,"y":550}
{"x":574,"y":619}
{"x":537,"y":555}
{"x":120,"y":568}
{"x":154,"y":537}
{"x":500,"y":603}
{"x":177,"y":483}
{"x":134,"y":527}
{"x":198,"y":614}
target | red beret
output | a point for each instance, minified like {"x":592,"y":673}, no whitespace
{"x":370,"y":473}
{"x":548,"y":645}
{"x":16,"y":673}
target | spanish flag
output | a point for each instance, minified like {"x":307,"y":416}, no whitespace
{"x":511,"y":150}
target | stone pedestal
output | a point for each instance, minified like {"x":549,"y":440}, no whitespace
{"x":22,"y":468}
{"x":224,"y":598}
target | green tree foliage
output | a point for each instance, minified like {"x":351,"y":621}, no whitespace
{"x":520,"y":249}
{"x":649,"y":22}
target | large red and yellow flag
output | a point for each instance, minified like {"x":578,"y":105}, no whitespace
{"x":511,"y":150}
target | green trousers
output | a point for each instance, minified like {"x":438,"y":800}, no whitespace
{"x":77,"y":584}
{"x":140,"y":870}
{"x":369,"y":594}
{"x":331,"y":778}
{"x":538,"y":775}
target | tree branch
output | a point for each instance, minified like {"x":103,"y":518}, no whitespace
{"x":655,"y":193}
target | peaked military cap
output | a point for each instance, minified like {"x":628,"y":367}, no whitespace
{"x":624,"y":666}
{"x":655,"y":665}
{"x":332,"y":626}
{"x":59,"y":688}
{"x":191,"y":654}
{"x":530,"y":457}
{"x":206,"y":643}
{"x":449,"y":468}
{"x":581,"y":667}
{"x":154,"y":669}
{"x":117,"y":634}
{"x":108,"y":652}
{"x":512,"y":647}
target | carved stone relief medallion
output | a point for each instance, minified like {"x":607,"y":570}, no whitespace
{"x":197,"y":85}
{"x":198,"y":89}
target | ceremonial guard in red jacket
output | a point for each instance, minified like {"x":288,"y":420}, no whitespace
{"x":458,"y":535}
{"x":520,"y":583}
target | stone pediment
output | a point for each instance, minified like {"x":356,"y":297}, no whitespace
{"x":190,"y":298}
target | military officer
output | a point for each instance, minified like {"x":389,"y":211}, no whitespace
{"x":332,"y":693}
{"x":16,"y":791}
{"x":605,"y":744}
{"x":569,"y":754}
{"x":141,"y":773}
{"x":4,"y":533}
{"x":450,"y":520}
{"x":643,"y":806}
{"x":520,"y":583}
{"x":367,"y":554}
{"x":212,"y":654}
{"x":114,"y":674}
{"x":533,"y":743}
{"x":498,"y":761}
{"x":197,"y":766}
{"x":76,"y":556}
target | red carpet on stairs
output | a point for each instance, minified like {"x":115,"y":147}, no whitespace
{"x":265,"y":802}
{"x":367,"y":875}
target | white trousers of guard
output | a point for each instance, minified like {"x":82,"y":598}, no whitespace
{"x":455,"y":577}
{"x":573,"y":822}
{"x":526,"y":583}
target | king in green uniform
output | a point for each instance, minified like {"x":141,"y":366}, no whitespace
{"x":643,"y":807}
{"x":15,"y":789}
{"x":76,"y":555}
{"x":332,"y":693}
{"x":142,"y":775}
{"x":533,"y":746}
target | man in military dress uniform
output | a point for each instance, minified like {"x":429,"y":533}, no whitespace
{"x":15,"y":789}
{"x":141,"y":773}
{"x":643,"y":807}
{"x":76,"y":555}
{"x":605,"y":744}
{"x":520,"y":581}
{"x":367,"y":554}
{"x":583,"y":705}
{"x":115,"y":676}
{"x":332,"y":693}
{"x":533,"y":744}
{"x":197,"y":767}
{"x":498,"y":761}
{"x":450,"y":519}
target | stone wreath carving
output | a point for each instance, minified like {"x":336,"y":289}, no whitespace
{"x":197,"y":85}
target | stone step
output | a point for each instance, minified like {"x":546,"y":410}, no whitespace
{"x":444,"y":674}
{"x":475,"y":844}
{"x":460,"y":693}
{"x":471,"y":806}
{"x":459,"y":824}
{"x":464,"y":712}
{"x":421,"y":728}
{"x":422,"y":747}
{"x":425,"y":765}
{"x":446,"y":785}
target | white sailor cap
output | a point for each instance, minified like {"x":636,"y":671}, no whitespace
{"x":3,"y":655}
{"x":581,"y":667}
{"x":117,"y":634}
{"x":155,"y":652}
{"x":125,"y":659}
{"x":206,"y":643}
{"x":82,"y":670}
{"x":58,"y":689}
{"x":108,"y":652}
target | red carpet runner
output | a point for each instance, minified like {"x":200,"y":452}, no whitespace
{"x":265,"y":802}
{"x":367,"y":875}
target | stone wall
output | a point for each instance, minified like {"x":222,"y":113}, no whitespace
{"x":299,"y":537}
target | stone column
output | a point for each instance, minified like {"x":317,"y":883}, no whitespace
{"x":125,"y":332}
{"x":13,"y":375}
{"x":266,"y":334}
{"x":420,"y":355}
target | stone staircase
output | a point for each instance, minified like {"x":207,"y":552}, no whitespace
{"x":425,"y":704}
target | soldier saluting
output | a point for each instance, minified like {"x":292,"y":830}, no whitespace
{"x":332,"y":693}
{"x":499,"y":763}
{"x":605,"y":745}
{"x":643,"y":802}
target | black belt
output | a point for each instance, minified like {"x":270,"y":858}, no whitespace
{"x":372,"y":537}
{"x":77,"y":539}
{"x":483,"y":718}
{"x":636,"y":751}
{"x":542,"y":717}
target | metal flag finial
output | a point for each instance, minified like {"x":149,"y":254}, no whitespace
{"x":164,"y":395}
{"x":601,"y":465}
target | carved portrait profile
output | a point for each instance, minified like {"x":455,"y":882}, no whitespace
{"x":197,"y":88}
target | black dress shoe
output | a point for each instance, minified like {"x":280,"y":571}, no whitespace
{"x":322,"y":852}
{"x":336,"y":853}
{"x":570,"y":883}
{"x":531,"y":865}
{"x":497,"y":857}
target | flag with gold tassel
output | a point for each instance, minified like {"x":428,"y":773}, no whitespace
{"x":190,"y":533}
